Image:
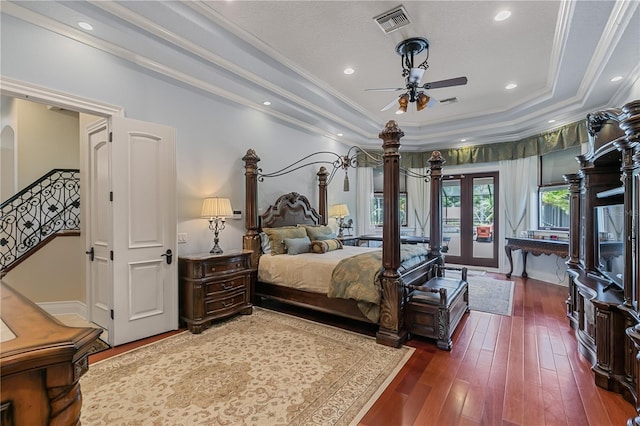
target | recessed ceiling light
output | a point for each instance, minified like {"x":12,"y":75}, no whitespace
{"x":463,"y":140}
{"x":349,"y":71}
{"x":616,"y":78}
{"x":267,"y":103}
{"x":339,"y":134}
{"x":551,"y":121}
{"x":85,"y":25}
{"x":510,"y":86}
{"x":502,"y":15}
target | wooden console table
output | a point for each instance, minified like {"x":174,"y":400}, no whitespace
{"x":536,"y":247}
{"x":41,"y":362}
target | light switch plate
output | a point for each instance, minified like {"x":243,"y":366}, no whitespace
{"x":182,"y":238}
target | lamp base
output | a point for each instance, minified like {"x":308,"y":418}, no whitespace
{"x":216,"y":250}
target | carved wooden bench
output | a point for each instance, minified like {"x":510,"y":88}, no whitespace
{"x":434,"y":309}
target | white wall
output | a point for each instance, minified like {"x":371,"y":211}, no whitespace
{"x":212,"y":134}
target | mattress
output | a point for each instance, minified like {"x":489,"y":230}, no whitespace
{"x":306,"y":271}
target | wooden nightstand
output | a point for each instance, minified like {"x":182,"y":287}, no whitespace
{"x":214,"y":286}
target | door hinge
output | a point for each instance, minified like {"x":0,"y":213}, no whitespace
{"x":112,"y":314}
{"x":111,"y":254}
{"x":110,"y":195}
{"x":110,"y":136}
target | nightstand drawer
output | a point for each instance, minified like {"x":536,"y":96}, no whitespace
{"x":216,"y":266}
{"x":216,"y":306}
{"x":225,"y":286}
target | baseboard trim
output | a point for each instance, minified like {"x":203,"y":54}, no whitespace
{"x":65,"y":307}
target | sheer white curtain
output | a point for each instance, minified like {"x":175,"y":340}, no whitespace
{"x":518,"y":177}
{"x":364,"y":195}
{"x":418,"y":197}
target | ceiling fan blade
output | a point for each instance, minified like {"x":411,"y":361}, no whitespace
{"x":392,"y":103}
{"x":388,"y":89}
{"x":458,"y":81}
{"x":415,"y":75}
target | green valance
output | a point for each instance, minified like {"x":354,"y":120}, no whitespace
{"x":568,"y":136}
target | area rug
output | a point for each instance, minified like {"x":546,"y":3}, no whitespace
{"x":488,"y":294}
{"x":263,"y":369}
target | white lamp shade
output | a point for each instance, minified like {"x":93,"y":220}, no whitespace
{"x":339,"y":210}
{"x":216,"y":207}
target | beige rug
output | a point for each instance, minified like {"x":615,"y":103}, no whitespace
{"x":264,"y":369}
{"x":488,"y":294}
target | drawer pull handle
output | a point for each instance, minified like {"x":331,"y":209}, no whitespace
{"x":226,"y":305}
{"x":225,"y":286}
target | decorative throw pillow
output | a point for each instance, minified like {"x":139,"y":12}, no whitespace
{"x":265,"y":245}
{"x":297,"y":245}
{"x":318,"y":232}
{"x":277,"y":236}
{"x":323,"y":246}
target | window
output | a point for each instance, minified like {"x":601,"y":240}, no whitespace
{"x":377,"y":203}
{"x":553,"y":191}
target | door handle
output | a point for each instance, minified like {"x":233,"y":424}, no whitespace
{"x":169,"y":256}
{"x":91,"y":254}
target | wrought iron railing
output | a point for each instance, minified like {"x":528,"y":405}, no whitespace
{"x":48,"y":206}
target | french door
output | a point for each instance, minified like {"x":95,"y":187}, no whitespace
{"x":470,"y":218}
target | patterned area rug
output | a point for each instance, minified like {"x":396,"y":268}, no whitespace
{"x":264,"y":369}
{"x":488,"y":294}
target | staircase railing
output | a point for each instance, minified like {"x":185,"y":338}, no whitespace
{"x":48,"y":206}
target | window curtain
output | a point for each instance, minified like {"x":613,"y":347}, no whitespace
{"x":418,"y":198}
{"x":518,"y":178}
{"x":364,"y":176}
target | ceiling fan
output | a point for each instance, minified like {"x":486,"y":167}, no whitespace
{"x":413,"y":91}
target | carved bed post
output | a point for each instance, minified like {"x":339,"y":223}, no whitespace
{"x":575,"y":188}
{"x":435,"y":233}
{"x":251,"y":240}
{"x":323,"y":175}
{"x":391,"y":331}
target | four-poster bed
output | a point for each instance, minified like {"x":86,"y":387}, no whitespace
{"x":292,"y":210}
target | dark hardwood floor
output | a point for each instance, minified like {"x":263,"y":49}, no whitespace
{"x":519,"y":370}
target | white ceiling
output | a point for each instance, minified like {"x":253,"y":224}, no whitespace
{"x":562,"y":55}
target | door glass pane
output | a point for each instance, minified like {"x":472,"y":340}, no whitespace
{"x":483,"y":209}
{"x":451,"y":215}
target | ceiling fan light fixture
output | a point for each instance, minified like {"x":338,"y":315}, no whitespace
{"x":422,"y":101}
{"x":403,"y":102}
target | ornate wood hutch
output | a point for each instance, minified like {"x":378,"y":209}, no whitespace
{"x":603,"y":250}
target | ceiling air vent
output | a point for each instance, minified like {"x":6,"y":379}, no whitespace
{"x":393,"y":19}
{"x":449,"y":101}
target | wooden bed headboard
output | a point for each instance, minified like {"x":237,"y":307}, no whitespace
{"x":289,"y":210}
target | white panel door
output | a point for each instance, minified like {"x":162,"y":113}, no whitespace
{"x":98,"y":226}
{"x":145,"y":278}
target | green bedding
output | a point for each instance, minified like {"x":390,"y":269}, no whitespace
{"x":358,"y":277}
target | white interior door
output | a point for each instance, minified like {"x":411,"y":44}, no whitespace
{"x":131,"y":229}
{"x":98,"y":225}
{"x":143,"y":183}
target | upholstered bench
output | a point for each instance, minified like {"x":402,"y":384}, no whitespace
{"x":434,"y":309}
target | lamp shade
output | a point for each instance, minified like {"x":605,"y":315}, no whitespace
{"x":216,"y":207}
{"x":339,"y":210}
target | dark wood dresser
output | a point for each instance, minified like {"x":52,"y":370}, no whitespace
{"x":41,"y":362}
{"x":214,"y":286}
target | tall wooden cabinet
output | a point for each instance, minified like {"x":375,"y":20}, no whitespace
{"x":603,"y":250}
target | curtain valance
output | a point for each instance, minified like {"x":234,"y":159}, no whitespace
{"x":573,"y":134}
